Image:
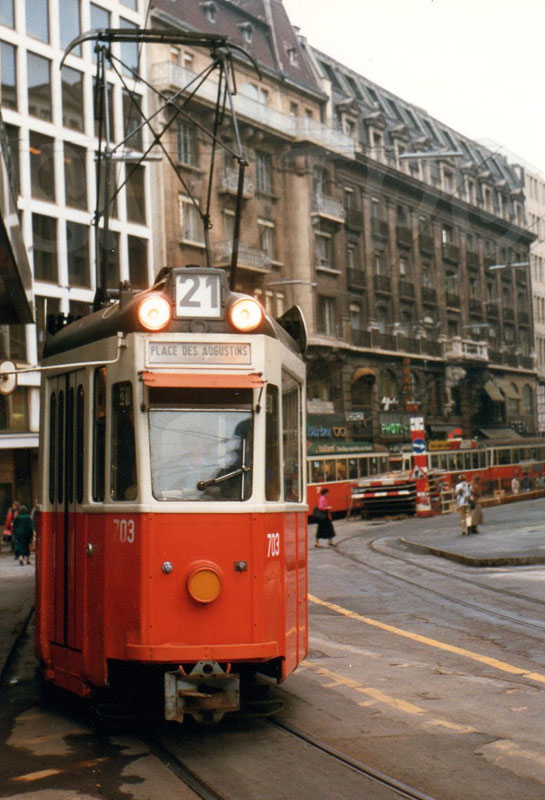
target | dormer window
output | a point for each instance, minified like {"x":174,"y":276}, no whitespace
{"x":292,"y":56}
{"x":210,"y":12}
{"x":247,"y":32}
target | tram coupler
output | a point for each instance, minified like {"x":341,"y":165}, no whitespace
{"x":208,"y":690}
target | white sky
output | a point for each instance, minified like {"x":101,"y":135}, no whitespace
{"x":476,"y":65}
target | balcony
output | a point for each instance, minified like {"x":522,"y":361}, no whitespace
{"x":451,"y":252}
{"x":492,"y":310}
{"x":404,"y":235}
{"x":248,"y":257}
{"x":356,"y":278}
{"x":361,"y":338}
{"x":453,"y":300}
{"x":508,"y":314}
{"x":425,"y":243}
{"x":527,"y":362}
{"x":354,"y":219}
{"x":328,"y":208}
{"x":379,"y":228}
{"x":382,"y":284}
{"x":524,"y":318}
{"x":406,"y":290}
{"x":429,"y":295}
{"x":465,"y":349}
{"x":430,"y":348}
{"x":511,"y":360}
{"x":387,"y":342}
{"x":169,"y":77}
{"x":495,"y":357}
{"x":475,"y":306}
{"x":472,"y":260}
{"x":228,"y":184}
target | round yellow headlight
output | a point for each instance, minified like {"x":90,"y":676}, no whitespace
{"x":204,"y":584}
{"x":155,"y":312}
{"x":246,"y":314}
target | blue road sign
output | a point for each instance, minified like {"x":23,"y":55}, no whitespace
{"x":419,"y":446}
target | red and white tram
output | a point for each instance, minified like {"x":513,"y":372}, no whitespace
{"x":172,"y":533}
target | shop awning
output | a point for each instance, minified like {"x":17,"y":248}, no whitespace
{"x":204,"y":380}
{"x":363,"y":372}
{"x":500,"y":433}
{"x":493,"y":392}
{"x":509,"y":389}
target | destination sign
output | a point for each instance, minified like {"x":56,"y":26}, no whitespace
{"x":200,"y":353}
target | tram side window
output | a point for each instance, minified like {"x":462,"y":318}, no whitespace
{"x":60,"y":450}
{"x":291,"y":433}
{"x":70,"y":445}
{"x":123,"y":456}
{"x":352,"y":468}
{"x":363,"y":467}
{"x":52,"y":445}
{"x":317,"y":474}
{"x":99,"y":433}
{"x":272,"y":445}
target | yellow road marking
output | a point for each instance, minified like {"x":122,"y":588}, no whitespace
{"x":381,"y":697}
{"x":503,"y":666}
{"x":35,"y":776}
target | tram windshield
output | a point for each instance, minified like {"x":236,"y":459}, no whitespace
{"x":201,"y":444}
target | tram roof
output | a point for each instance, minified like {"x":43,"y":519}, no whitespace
{"x":122,"y":317}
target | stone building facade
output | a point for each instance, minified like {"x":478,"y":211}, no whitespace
{"x":388,"y":254}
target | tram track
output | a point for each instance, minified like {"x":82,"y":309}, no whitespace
{"x":482,"y":609}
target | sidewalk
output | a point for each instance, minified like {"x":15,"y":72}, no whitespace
{"x":511,"y":535}
{"x":16,"y":600}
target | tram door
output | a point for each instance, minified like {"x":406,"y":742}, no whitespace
{"x":67,"y":402}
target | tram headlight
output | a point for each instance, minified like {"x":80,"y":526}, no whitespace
{"x":204,"y":584}
{"x":246,"y":314}
{"x":154,"y":312}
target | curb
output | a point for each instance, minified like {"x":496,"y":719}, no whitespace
{"x":472,"y":561}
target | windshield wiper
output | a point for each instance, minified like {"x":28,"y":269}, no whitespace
{"x":242,"y":470}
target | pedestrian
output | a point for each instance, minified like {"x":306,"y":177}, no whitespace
{"x":7,"y":535}
{"x":462,"y":491}
{"x":515,"y":484}
{"x":476,"y":512}
{"x":325,"y":529}
{"x":22,"y":535}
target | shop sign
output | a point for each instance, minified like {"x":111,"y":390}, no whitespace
{"x":392,"y":424}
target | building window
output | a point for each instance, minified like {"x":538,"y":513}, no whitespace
{"x":75,"y":176}
{"x":263,"y":172}
{"x":327,"y":318}
{"x":44,"y":247}
{"x":267,"y":238}
{"x":191,"y":226}
{"x":187,"y":144}
{"x":7,"y":16}
{"x":132,"y":120}
{"x":69,"y":12}
{"x":77,"y":248}
{"x":37,"y":19}
{"x":12,"y":157}
{"x":14,"y":411}
{"x":356,"y":317}
{"x":138,"y":262}
{"x":129,"y":50}
{"x":322,"y":249}
{"x":72,"y":99}
{"x":39,"y":87}
{"x":247,"y":32}
{"x":110,"y":248}
{"x":44,"y":307}
{"x":210,"y":12}
{"x":8,"y":59}
{"x":42,"y":168}
{"x":321,"y":182}
{"x":99,"y":17}
{"x":135,"y":194}
{"x":447,"y":234}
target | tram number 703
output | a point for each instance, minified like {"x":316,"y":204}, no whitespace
{"x":274,"y":545}
{"x":125,"y":530}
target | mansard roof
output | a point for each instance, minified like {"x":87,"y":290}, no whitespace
{"x":272,"y":40}
{"x":424,"y":131}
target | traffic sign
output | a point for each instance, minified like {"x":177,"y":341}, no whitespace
{"x":419,"y":446}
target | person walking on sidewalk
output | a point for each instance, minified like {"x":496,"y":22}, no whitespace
{"x":325,"y":529}
{"x":463,"y":495}
{"x":22,"y":535}
{"x":475,"y":510}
